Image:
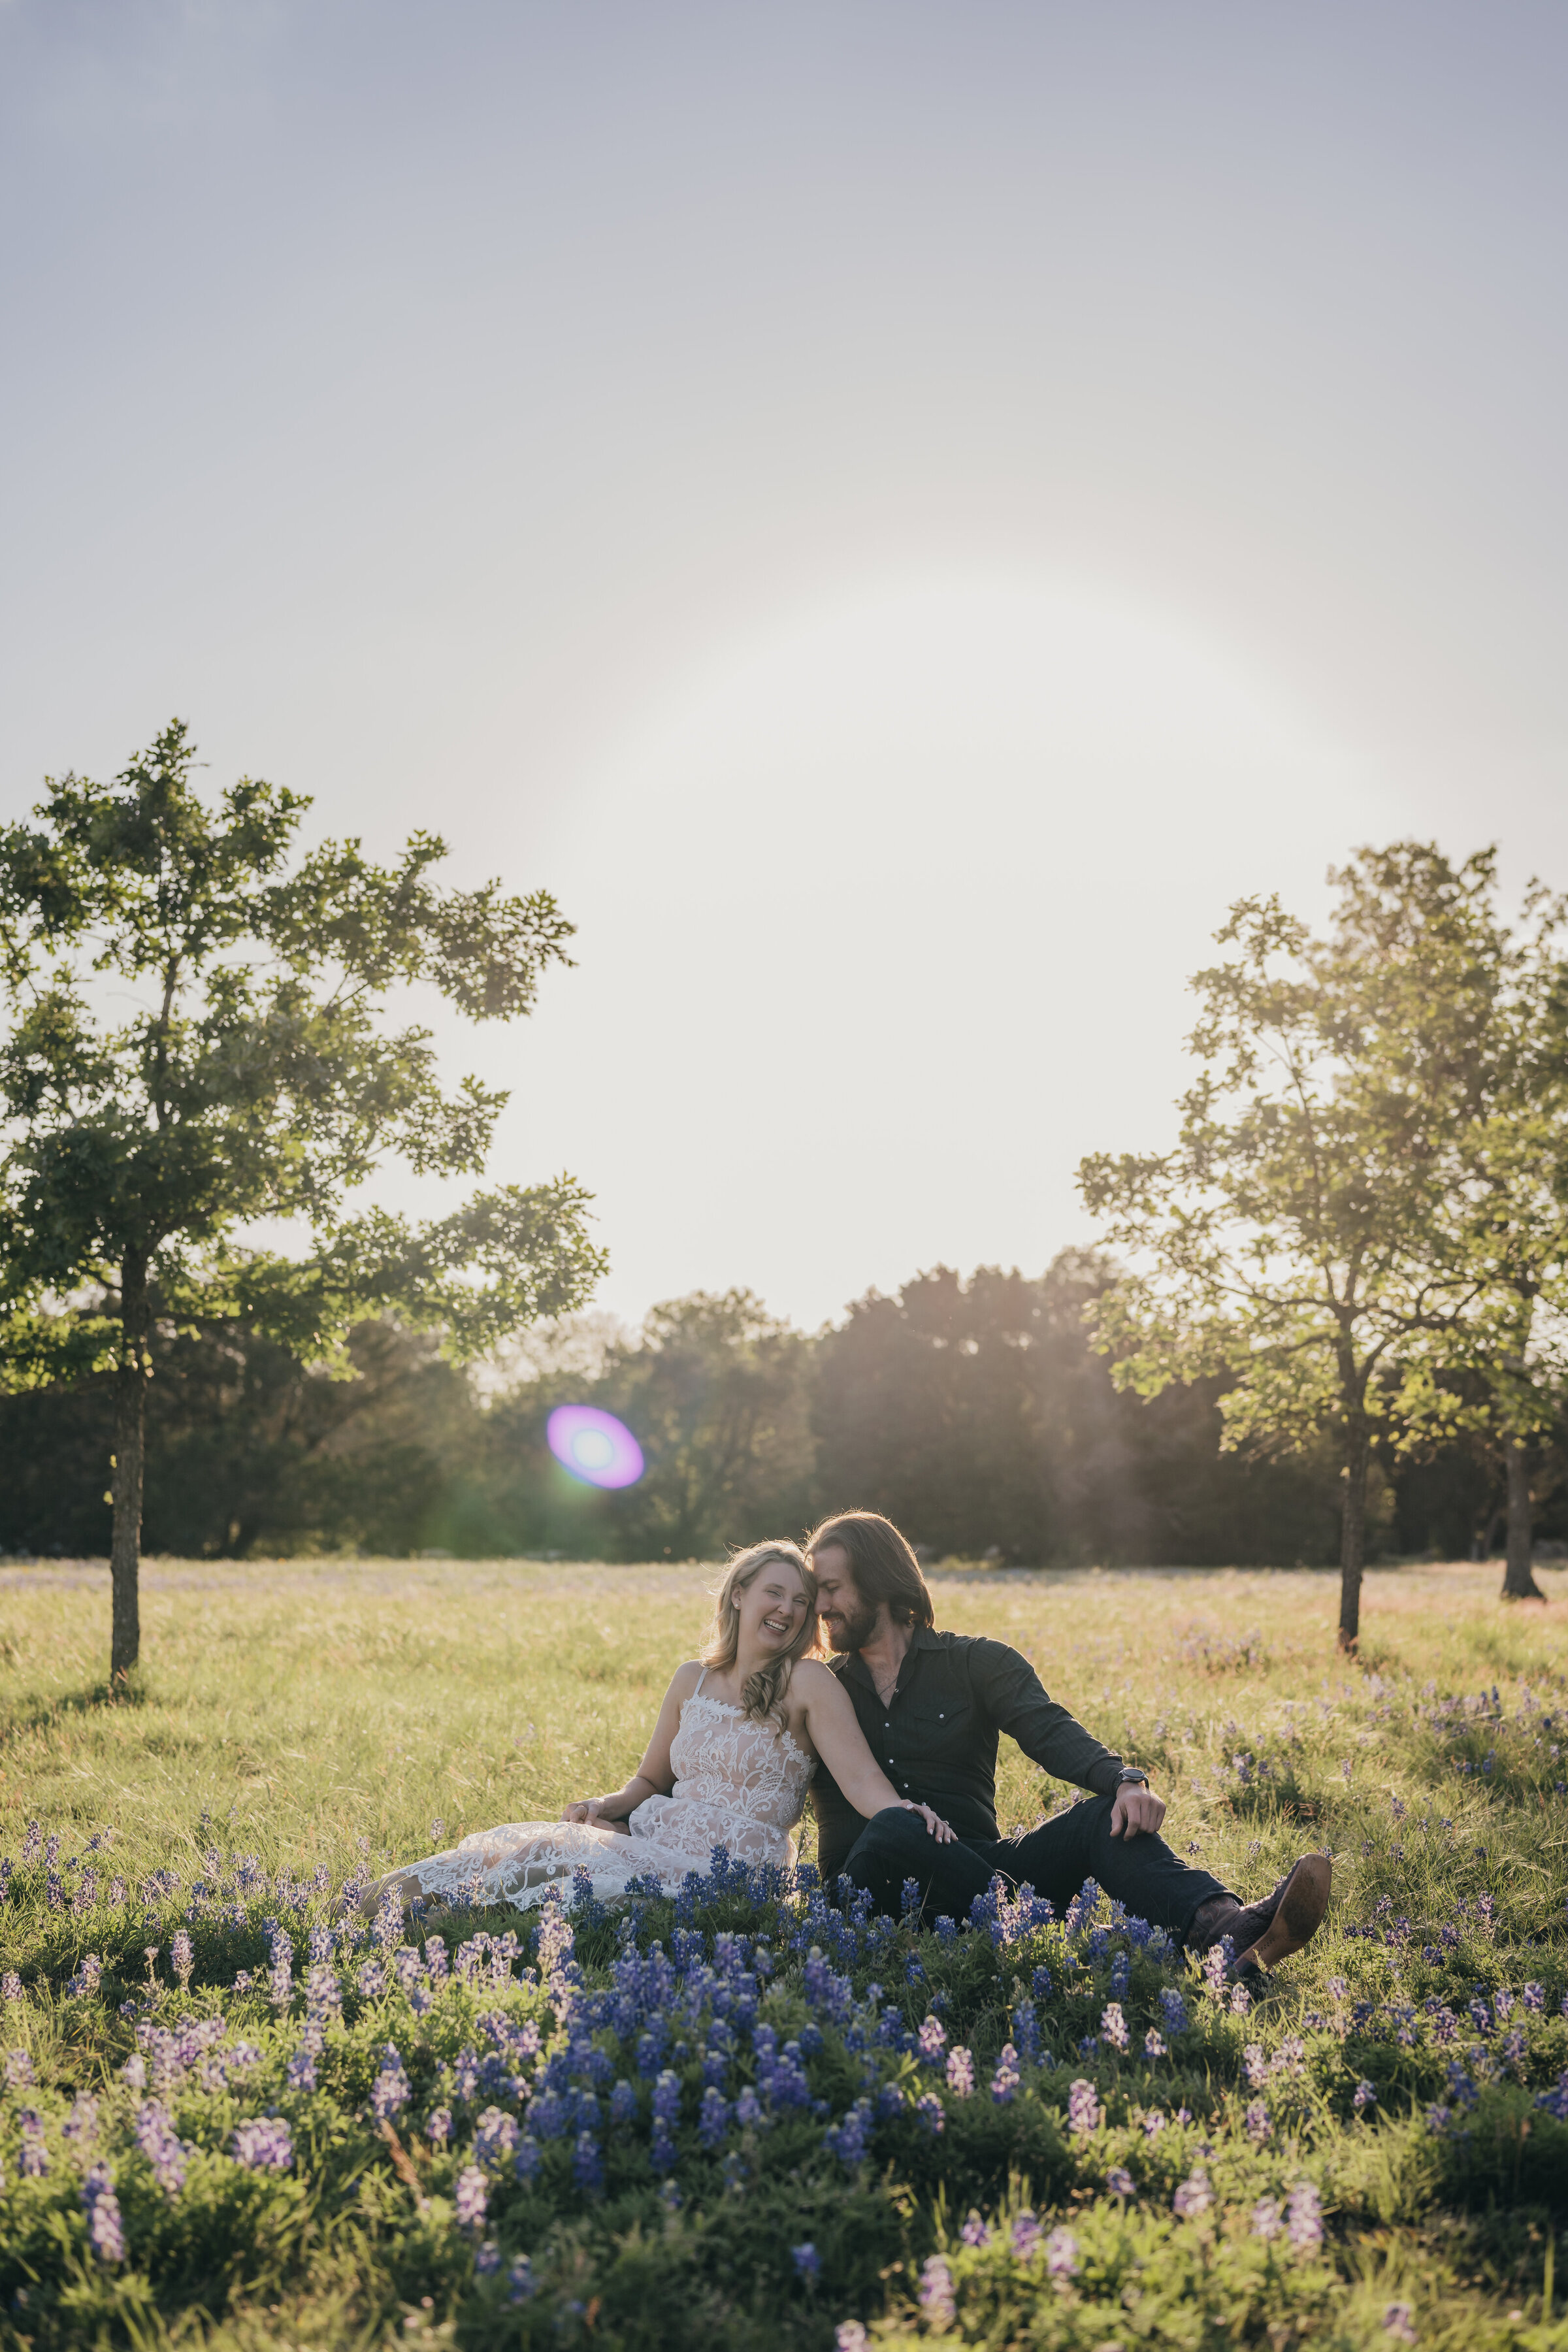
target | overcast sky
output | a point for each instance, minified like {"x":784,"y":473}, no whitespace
{"x":896,"y":513}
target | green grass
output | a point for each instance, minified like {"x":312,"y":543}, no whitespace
{"x":318,"y":1716}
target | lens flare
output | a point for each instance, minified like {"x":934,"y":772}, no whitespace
{"x":594,"y":1445}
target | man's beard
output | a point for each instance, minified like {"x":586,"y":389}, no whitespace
{"x":853,"y":1630}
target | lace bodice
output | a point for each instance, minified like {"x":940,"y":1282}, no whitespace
{"x":738,"y":1784}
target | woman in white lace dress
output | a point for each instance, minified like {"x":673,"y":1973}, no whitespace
{"x":738,"y":1739}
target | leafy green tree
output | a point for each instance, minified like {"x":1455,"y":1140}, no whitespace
{"x":1499,"y":1367}
{"x":1296,"y":1239}
{"x":255,"y":1075}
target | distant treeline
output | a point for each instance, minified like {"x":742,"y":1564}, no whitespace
{"x":974,"y":1412}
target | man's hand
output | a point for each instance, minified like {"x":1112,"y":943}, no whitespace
{"x":1136,"y":1808}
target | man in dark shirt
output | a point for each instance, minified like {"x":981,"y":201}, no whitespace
{"x":931,"y":1707}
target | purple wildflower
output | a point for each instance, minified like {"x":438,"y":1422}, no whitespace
{"x":265,"y":2144}
{"x":495,"y":2138}
{"x":159,"y":2143}
{"x":1153,"y":2046}
{"x":1192,"y":2198}
{"x":105,"y":2228}
{"x":1006,"y":2079}
{"x":520,"y":2282}
{"x":937,"y":2298}
{"x":1304,"y":2218}
{"x":471,"y":2197}
{"x":807,"y":2263}
{"x":11,"y":1985}
{"x":931,"y":2040}
{"x":1026,"y":2234}
{"x":975,"y":2233}
{"x":18,"y":2070}
{"x":1399,"y":2321}
{"x":183,"y":1957}
{"x":1083,"y":2108}
{"x":1267,"y":2217}
{"x":587,"y":2163}
{"x":390,"y":2092}
{"x":1120,"y":2182}
{"x":930,"y":2113}
{"x":849,"y":2335}
{"x":959,"y":2072}
{"x":35,"y":2156}
{"x":1365,"y":2096}
{"x":1061,"y":2255}
{"x":1257,"y":2120}
{"x":1113,"y":2025}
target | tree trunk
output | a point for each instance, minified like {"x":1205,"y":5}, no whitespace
{"x":1353,"y":1533}
{"x":1517,"y":1582}
{"x":129,"y":1421}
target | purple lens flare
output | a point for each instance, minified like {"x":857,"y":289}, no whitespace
{"x":594,"y":1445}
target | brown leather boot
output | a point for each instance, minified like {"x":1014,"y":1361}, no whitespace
{"x":1264,"y":1934}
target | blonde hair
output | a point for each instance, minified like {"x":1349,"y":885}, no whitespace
{"x":762,"y":1694}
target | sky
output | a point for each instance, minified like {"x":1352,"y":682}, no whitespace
{"x":896,"y":513}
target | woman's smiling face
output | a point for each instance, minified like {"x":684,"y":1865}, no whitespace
{"x":773,"y":1608}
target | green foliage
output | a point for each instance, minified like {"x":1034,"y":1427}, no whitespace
{"x":284,"y":1722}
{"x":256,"y":1076}
{"x":1335,"y":1225}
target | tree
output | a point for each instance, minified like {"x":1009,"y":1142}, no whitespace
{"x":258,"y":1075}
{"x":1290,"y":1241}
{"x":1501,"y":1367}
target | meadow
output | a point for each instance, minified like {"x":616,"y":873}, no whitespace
{"x":745,"y":2115}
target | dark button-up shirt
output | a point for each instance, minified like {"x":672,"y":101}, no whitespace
{"x":936,"y":1737}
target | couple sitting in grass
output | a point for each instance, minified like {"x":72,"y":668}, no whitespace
{"x":896,"y":1741}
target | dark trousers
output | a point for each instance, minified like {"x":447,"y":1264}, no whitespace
{"x":1141,"y":1874}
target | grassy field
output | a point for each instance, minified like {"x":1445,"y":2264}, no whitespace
{"x":1373,"y":2154}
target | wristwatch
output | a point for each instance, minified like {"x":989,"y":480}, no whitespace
{"x":1130,"y":1777}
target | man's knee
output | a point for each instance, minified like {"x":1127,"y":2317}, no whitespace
{"x":888,"y":1837}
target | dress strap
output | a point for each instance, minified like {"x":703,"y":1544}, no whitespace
{"x":701,"y":1680}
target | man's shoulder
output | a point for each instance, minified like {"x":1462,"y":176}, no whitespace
{"x":977,"y":1645}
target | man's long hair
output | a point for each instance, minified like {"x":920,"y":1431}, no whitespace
{"x":762,"y":1694}
{"x":882,"y":1562}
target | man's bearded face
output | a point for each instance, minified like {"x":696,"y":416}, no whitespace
{"x":847,"y":1622}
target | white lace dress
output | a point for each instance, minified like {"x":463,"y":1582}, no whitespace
{"x":738,"y":1784}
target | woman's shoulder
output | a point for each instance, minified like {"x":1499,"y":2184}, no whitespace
{"x":810,"y":1676}
{"x":685,"y":1677}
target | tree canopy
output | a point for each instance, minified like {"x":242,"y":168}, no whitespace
{"x":199,"y":1040}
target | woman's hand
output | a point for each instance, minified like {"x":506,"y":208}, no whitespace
{"x":935,"y":1826}
{"x":588,"y":1810}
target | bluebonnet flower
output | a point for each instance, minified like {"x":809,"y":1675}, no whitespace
{"x":1399,"y":2321}
{"x":1192,"y":2198}
{"x":847,"y":2139}
{"x":1083,"y":2107}
{"x":1304,"y":2218}
{"x":713,"y":2117}
{"x":807,"y":2263}
{"x":1120,"y":2182}
{"x":1175,"y":2009}
{"x":390,"y":2093}
{"x":930,"y":2113}
{"x":975,"y":2233}
{"x":1113,"y":2025}
{"x":265,"y":2144}
{"x":931,"y":2040}
{"x":1267,"y":2217}
{"x":623,"y":2103}
{"x":438,"y":2127}
{"x":519,"y":2280}
{"x":1153,"y":2123}
{"x":1061,"y":2255}
{"x":587,"y":2163}
{"x":495,"y":2138}
{"x":850,"y":2335}
{"x":183,"y":1959}
{"x":1257,"y":2122}
{"x":105,"y":2228}
{"x":528,"y":2159}
{"x":1005,"y":2082}
{"x":10,"y":1985}
{"x":18,"y":2070}
{"x":936,"y":2296}
{"x":1027,"y":2234}
{"x":946,"y":1931}
{"x":35,"y":2157}
{"x":371,"y":1980}
{"x":1040,"y":1984}
{"x":487,"y":2259}
{"x":1365,"y":2096}
{"x":959,"y":2072}
{"x":470,"y":2198}
{"x":1026,"y":2032}
{"x":1154,"y":2045}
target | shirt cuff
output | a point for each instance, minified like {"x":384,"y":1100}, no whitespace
{"x":1103,"y":1776}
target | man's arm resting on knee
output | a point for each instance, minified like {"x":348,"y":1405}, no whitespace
{"x":1019,"y":1704}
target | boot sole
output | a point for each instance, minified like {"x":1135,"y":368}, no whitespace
{"x":1299,"y":1917}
